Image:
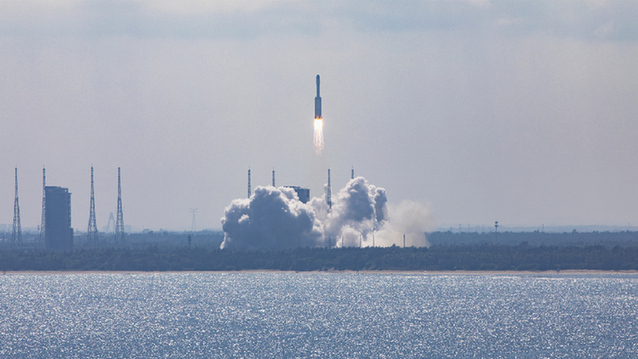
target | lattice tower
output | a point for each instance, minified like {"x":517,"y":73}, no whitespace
{"x":249,"y":189}
{"x":16,"y":235}
{"x":91,"y":232}
{"x":119,"y":222}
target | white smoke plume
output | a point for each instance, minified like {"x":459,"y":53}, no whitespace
{"x":274,"y":218}
{"x":408,"y":218}
{"x":271,"y":218}
{"x":357,"y":211}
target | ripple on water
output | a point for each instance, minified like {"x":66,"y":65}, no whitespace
{"x":256,"y":315}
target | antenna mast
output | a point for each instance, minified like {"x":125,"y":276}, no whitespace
{"x":92,"y":228}
{"x":16,"y":236}
{"x":119,"y":223}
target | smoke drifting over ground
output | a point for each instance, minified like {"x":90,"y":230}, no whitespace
{"x":274,"y":218}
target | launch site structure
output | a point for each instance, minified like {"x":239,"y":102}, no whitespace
{"x":249,"y":189}
{"x":44,"y":205}
{"x":91,"y":232}
{"x":119,"y":222}
{"x":58,"y":232}
{"x":16,"y":235}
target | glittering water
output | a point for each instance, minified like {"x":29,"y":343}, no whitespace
{"x":288,"y":315}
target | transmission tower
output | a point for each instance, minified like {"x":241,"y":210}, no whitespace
{"x":44,"y":202}
{"x":16,"y":236}
{"x":249,"y":183}
{"x":119,"y":223}
{"x":91,"y":232}
{"x":329,"y":192}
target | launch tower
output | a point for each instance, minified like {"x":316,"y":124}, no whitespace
{"x":16,"y":235}
{"x":249,"y":189}
{"x":119,"y":222}
{"x":92,"y":228}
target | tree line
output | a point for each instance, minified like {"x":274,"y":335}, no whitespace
{"x":472,"y":257}
{"x":536,"y":238}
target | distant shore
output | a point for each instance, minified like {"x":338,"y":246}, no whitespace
{"x":470,"y":259}
{"x":379,"y":272}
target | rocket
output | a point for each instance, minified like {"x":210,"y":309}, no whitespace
{"x":318,"y":102}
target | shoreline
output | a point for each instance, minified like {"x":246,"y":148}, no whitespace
{"x":375,"y":272}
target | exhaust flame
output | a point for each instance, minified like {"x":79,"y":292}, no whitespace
{"x":318,"y":136}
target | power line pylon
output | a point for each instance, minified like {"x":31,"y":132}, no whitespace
{"x":44,"y":207}
{"x":119,"y":223}
{"x":91,"y":232}
{"x":16,"y":235}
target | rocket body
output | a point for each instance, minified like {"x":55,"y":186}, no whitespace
{"x":318,"y":140}
{"x":318,"y":102}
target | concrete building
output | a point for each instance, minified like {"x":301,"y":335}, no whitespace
{"x":302,"y":193}
{"x":58,"y":233}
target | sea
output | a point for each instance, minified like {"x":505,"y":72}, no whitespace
{"x":318,"y":315}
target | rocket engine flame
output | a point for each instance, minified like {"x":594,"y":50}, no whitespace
{"x":318,"y":138}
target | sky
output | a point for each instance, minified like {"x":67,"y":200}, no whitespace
{"x":523,"y":112}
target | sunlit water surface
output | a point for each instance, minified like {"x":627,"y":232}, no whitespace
{"x":288,"y":315}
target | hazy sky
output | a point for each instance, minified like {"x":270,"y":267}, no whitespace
{"x":519,"y":111}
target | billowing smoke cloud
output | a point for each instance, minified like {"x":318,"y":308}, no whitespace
{"x":360,"y":216}
{"x":270,"y":218}
{"x":357,"y":211}
{"x":408,"y":218}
